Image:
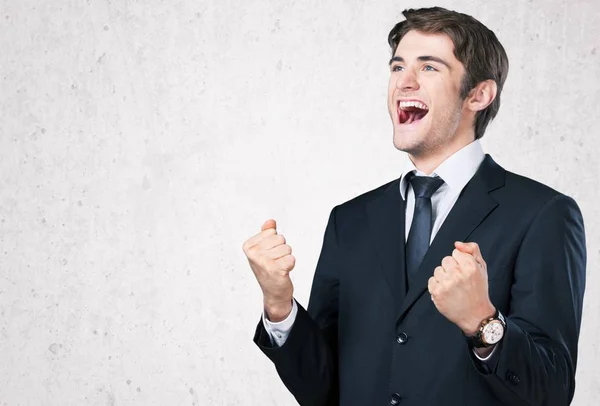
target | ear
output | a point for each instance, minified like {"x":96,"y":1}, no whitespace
{"x":482,"y":95}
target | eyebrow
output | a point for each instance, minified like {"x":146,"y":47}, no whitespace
{"x":424,"y":58}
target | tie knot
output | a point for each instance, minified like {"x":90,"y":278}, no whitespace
{"x":425,"y":186}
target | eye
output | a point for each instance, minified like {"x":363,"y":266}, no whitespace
{"x":429,"y":68}
{"x":397,"y":68}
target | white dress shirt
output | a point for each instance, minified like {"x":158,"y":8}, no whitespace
{"x":456,"y":171}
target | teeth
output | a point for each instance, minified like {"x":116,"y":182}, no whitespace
{"x":405,"y":104}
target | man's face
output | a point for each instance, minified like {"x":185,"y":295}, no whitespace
{"x":424,"y":93}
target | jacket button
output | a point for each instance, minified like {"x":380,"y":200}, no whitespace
{"x":395,"y":399}
{"x":402,"y":338}
{"x":512,"y":378}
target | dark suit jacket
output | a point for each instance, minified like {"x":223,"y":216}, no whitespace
{"x":368,"y":340}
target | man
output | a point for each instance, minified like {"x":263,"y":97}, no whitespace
{"x":459,"y":283}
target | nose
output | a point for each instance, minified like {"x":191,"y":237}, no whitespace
{"x":407,"y":81}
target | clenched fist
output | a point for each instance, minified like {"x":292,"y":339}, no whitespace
{"x":459,"y":288}
{"x":271,"y":261}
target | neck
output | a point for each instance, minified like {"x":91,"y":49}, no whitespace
{"x":430,"y":160}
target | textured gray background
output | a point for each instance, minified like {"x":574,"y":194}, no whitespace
{"x":141,"y":142}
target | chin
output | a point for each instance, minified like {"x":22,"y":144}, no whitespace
{"x":408,"y":141}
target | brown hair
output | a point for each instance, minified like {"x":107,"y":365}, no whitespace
{"x":475,"y":46}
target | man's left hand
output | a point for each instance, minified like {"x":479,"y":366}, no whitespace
{"x":459,"y":288}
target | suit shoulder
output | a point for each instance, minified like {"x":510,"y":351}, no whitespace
{"x":532,"y":193}
{"x":529,"y":189}
{"x":359,"y":202}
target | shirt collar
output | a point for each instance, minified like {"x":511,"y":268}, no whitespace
{"x":456,"y":170}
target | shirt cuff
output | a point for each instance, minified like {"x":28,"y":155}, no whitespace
{"x":488,"y":356}
{"x":279,"y":331}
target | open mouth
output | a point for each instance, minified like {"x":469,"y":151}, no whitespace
{"x":411,"y":112}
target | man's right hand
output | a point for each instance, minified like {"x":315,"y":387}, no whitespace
{"x":271,"y":261}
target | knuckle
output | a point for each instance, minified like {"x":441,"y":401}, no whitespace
{"x":287,"y":264}
{"x":283,"y":262}
{"x":248,"y":244}
{"x":473,"y":265}
{"x":253,"y":250}
{"x":263,"y":262}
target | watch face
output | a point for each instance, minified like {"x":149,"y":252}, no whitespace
{"x":493,"y":332}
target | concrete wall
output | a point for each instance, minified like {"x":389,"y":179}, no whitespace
{"x":141,"y":142}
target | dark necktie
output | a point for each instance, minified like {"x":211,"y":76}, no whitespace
{"x":419,"y":236}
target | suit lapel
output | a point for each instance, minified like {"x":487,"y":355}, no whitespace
{"x":386,"y":219}
{"x":472,"y":207}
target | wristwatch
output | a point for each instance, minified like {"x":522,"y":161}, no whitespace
{"x":490,"y":331}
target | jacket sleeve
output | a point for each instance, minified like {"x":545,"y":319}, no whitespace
{"x":536,"y":362}
{"x":307,"y":361}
